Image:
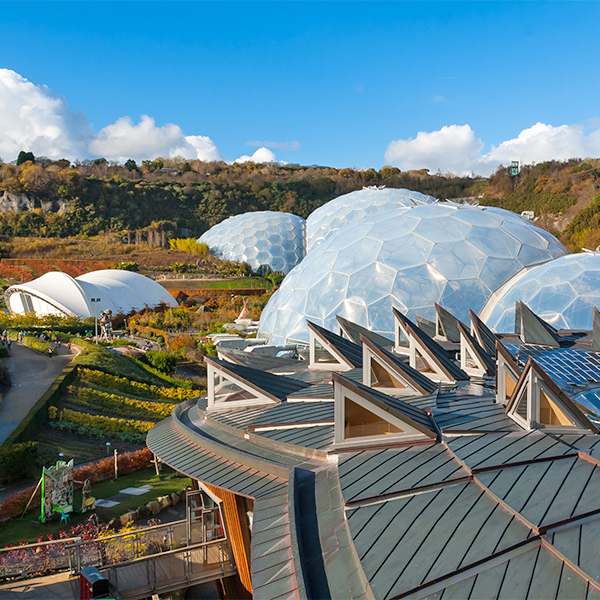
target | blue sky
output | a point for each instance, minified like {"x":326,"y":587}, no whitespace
{"x":342,"y":79}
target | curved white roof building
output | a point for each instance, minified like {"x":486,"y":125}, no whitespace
{"x":57,"y":293}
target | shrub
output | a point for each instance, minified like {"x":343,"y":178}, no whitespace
{"x":36,"y":344}
{"x":182,"y":343}
{"x":160,"y":340}
{"x":128,"y":266}
{"x":105,"y":423}
{"x":18,"y":462}
{"x":190,"y":245}
{"x":179,"y":267}
{"x":163,"y":361}
{"x":4,"y":353}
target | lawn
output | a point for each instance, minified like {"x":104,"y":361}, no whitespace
{"x":29,"y":528}
{"x":223,"y":284}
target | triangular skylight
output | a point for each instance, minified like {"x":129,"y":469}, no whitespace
{"x":390,"y":374}
{"x":538,"y":403}
{"x":329,"y":351}
{"x":365,"y":418}
{"x":508,"y":374}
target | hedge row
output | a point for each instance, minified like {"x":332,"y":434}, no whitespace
{"x":18,"y":462}
{"x":128,"y":386}
{"x":112,"y":402}
{"x":131,"y":437}
{"x":105,"y":423}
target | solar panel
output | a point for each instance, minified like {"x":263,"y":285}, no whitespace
{"x":564,"y":365}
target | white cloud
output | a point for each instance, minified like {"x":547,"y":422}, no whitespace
{"x":455,"y":148}
{"x":34,"y":118}
{"x":262,"y":155}
{"x":123,"y":139}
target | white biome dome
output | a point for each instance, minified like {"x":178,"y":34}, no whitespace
{"x":408,"y":258}
{"x":563,"y":292}
{"x":329,"y":218}
{"x":266,"y":240}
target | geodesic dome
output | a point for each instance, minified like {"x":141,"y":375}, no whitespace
{"x":266,"y":240}
{"x":562,"y":292}
{"x":408,"y":258}
{"x":57,"y":293}
{"x":329,"y":218}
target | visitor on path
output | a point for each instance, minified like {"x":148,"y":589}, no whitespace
{"x":8,"y":343}
{"x":50,"y":351}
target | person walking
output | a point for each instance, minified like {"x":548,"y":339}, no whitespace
{"x":50,"y":351}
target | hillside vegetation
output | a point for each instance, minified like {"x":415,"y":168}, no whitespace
{"x":97,"y":197}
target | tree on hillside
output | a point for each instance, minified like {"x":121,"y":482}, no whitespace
{"x":24,"y":157}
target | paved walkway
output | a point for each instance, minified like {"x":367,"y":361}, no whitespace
{"x":53,"y":587}
{"x":31,"y":374}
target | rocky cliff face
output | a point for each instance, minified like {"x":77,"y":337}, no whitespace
{"x":12,"y":203}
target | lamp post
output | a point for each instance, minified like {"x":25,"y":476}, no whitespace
{"x":107,"y":447}
{"x":95,"y":301}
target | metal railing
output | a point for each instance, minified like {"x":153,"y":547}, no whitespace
{"x":75,"y":554}
{"x":123,"y":547}
{"x":171,"y":570}
{"x":41,"y":558}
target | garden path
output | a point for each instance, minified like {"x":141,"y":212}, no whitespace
{"x":31,"y":375}
{"x":53,"y":587}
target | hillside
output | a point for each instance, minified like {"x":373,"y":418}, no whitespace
{"x":54,"y":199}
{"x":562,"y":195}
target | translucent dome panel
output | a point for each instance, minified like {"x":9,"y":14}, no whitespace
{"x":267,"y":241}
{"x":329,"y":218}
{"x":563,"y":292}
{"x":408,"y":258}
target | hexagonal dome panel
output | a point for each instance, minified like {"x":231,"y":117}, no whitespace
{"x":267,"y":240}
{"x":562,"y":292}
{"x":329,"y":218}
{"x":409,"y":258}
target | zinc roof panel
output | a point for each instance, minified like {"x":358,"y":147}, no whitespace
{"x":415,"y":467}
{"x":505,"y":448}
{"x":546,"y":492}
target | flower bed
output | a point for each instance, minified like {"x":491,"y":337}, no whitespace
{"x":128,"y":386}
{"x":116,"y":404}
{"x":105,"y":423}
